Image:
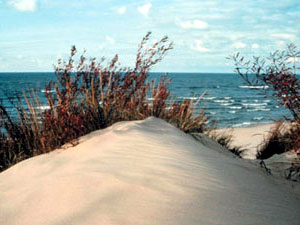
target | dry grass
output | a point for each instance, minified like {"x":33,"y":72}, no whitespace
{"x":89,"y":96}
{"x":225,"y":140}
{"x":281,"y":139}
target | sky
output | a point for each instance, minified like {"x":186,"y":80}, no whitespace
{"x":34,"y":34}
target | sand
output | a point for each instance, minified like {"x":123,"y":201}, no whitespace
{"x":248,"y":138}
{"x":143,"y":172}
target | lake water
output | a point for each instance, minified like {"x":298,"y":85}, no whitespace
{"x":228,"y":99}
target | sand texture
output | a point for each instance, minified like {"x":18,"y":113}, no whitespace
{"x":143,"y":172}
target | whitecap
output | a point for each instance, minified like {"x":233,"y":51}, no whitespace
{"x":258,"y":118}
{"x":194,"y":98}
{"x":221,"y":101}
{"x":43,"y":107}
{"x":46,"y":91}
{"x":209,"y":98}
{"x":258,"y":109}
{"x":235,"y":107}
{"x":254,"y":104}
{"x":242,"y":124}
{"x":254,"y":87}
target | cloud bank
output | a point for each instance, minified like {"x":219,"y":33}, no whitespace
{"x":23,"y":5}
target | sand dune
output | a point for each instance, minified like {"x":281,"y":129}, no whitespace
{"x":142,"y":172}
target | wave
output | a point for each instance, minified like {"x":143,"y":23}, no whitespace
{"x":254,"y":87}
{"x":254,"y":104}
{"x":235,"y":107}
{"x":258,"y":109}
{"x":267,"y":100}
{"x":194,"y":98}
{"x":209,"y":98}
{"x":226,"y":104}
{"x":43,"y":107}
{"x":244,"y":124}
{"x":45,"y":91}
{"x":221,"y":101}
{"x":258,"y":118}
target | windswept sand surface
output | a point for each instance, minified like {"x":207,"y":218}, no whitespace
{"x":142,"y":172}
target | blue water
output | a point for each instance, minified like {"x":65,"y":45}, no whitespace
{"x":228,"y":100}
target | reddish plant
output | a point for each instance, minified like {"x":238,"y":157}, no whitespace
{"x":279,"y":72}
{"x":88,"y":96}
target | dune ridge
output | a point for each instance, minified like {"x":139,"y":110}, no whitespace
{"x":142,"y":172}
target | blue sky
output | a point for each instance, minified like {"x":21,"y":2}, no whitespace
{"x":35,"y":33}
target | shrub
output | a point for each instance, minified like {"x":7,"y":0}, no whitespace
{"x":278,"y":71}
{"x":282,"y":138}
{"x":89,"y":96}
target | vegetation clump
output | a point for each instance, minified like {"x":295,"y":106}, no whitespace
{"x":279,"y":72}
{"x":88,"y":96}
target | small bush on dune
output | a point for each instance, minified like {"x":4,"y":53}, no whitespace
{"x":279,"y":72}
{"x":88,"y":96}
{"x":281,"y":139}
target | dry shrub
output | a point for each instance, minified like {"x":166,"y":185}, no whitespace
{"x":88,"y":96}
{"x":284,"y":137}
{"x":279,"y":72}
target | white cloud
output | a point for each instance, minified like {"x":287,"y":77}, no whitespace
{"x":110,"y":40}
{"x":145,"y":9}
{"x":284,"y":36}
{"x":292,"y":60}
{"x":196,"y":24}
{"x":239,"y":44}
{"x":122,"y":10}
{"x":255,"y":45}
{"x":199,"y":46}
{"x":23,"y":5}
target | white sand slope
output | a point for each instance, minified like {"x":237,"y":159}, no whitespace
{"x":142,"y":172}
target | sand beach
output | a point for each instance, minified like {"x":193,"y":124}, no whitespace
{"x":144,"y":172}
{"x":248,"y":138}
